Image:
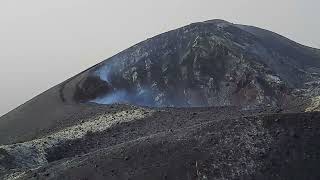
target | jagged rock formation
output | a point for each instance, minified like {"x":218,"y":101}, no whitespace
{"x":251,"y":88}
{"x":214,"y":63}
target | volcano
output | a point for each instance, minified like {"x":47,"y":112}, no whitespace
{"x":211,"y":100}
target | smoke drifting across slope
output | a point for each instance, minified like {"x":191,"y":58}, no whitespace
{"x":116,"y":95}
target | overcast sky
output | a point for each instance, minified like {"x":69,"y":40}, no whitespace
{"x":44,"y":42}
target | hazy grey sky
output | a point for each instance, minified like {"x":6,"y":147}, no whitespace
{"x":44,"y":42}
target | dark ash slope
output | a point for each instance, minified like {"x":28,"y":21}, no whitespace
{"x":203,"y":143}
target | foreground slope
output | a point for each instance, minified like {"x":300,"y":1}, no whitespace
{"x":217,"y":101}
{"x":193,"y":143}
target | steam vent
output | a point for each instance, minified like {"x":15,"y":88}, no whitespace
{"x":211,"y":100}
